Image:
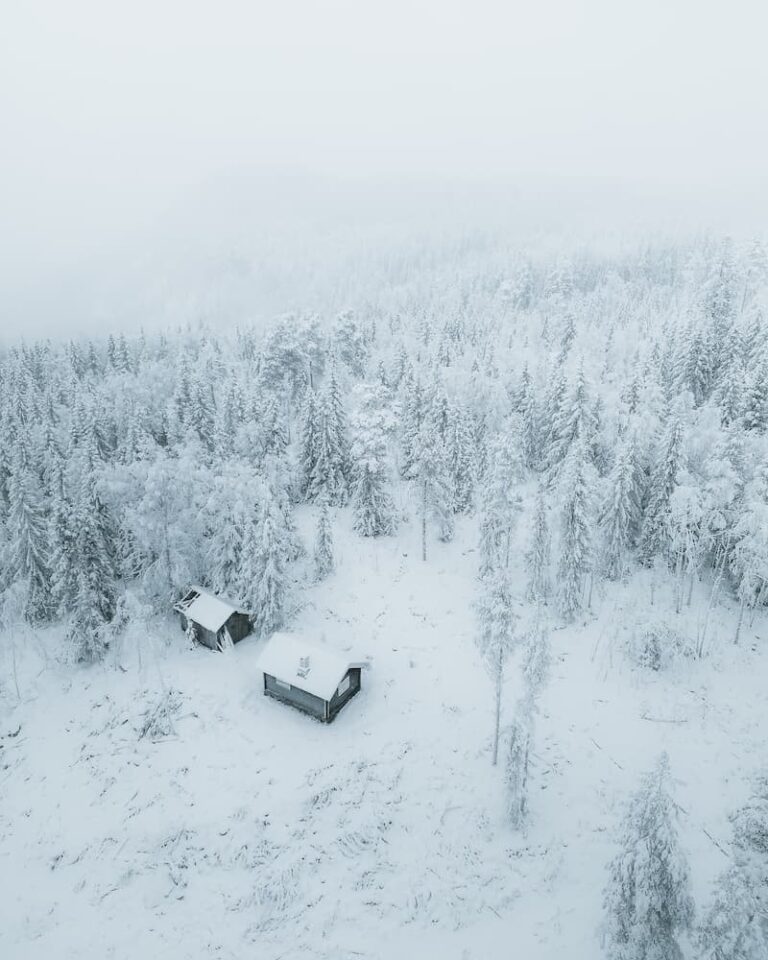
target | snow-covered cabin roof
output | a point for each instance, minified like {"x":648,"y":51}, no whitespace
{"x":205,"y":608}
{"x":309,"y":666}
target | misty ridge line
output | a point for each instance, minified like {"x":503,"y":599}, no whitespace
{"x":246,"y":250}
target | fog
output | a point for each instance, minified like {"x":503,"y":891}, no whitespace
{"x":165,"y":163}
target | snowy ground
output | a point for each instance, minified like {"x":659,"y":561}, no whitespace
{"x":255,"y":831}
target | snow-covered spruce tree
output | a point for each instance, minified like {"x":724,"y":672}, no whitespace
{"x":26,"y":552}
{"x":278,"y":476}
{"x":330,"y":473}
{"x":91,"y":605}
{"x":61,"y":535}
{"x":555,"y":398}
{"x":430,"y":472}
{"x":647,"y":900}
{"x":87,"y":633}
{"x":496,"y":636}
{"x":530,"y":419}
{"x":5,"y":473}
{"x":438,"y":410}
{"x":374,"y":510}
{"x":536,"y":663}
{"x":402,"y":368}
{"x":574,"y":418}
{"x":753,"y":339}
{"x":273,"y":432}
{"x":93,"y":561}
{"x":755,"y":415}
{"x":750,"y":842}
{"x":576,"y":530}
{"x":500,"y":503}
{"x":270,"y":584}
{"x":567,"y":334}
{"x":621,"y":511}
{"x":461,"y":458}
{"x":537,"y":558}
{"x":697,"y":366}
{"x":412,"y":411}
{"x":730,"y":393}
{"x":179,"y":408}
{"x":560,"y":283}
{"x":517,"y":765}
{"x":308,"y":440}
{"x":732,"y":928}
{"x":349,"y":343}
{"x":654,"y":533}
{"x":718,"y":306}
{"x":323,"y":554}
{"x":122,"y":359}
{"x":748,"y":557}
{"x":337,"y":407}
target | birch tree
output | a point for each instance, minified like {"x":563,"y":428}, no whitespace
{"x":496,"y":636}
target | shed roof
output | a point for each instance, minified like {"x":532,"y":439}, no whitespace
{"x":205,"y":608}
{"x":309,"y":666}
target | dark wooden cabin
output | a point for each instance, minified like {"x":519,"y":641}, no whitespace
{"x":216,"y":622}
{"x":313,"y":678}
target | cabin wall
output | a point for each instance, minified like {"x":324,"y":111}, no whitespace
{"x":239,"y":626}
{"x":207,"y":637}
{"x":337,"y":701}
{"x":307,"y":702}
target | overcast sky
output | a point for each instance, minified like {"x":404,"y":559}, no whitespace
{"x":116,"y":118}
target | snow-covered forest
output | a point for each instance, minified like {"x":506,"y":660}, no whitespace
{"x":530,"y":493}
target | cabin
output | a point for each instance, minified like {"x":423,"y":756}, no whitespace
{"x":311,"y":677}
{"x":216,"y":622}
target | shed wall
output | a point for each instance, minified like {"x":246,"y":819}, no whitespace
{"x":207,"y":637}
{"x":300,"y":699}
{"x":239,"y":626}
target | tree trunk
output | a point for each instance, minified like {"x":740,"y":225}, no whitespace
{"x":499,"y":678}
{"x":679,"y":587}
{"x":167,"y":549}
{"x":712,"y":596}
{"x":758,"y":602}
{"x":690,"y":585}
{"x":741,"y":619}
{"x":424,"y":521}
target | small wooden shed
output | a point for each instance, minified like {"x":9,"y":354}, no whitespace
{"x":216,"y":621}
{"x":311,"y":677}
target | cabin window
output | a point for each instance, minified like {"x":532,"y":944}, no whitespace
{"x":282,"y":684}
{"x":343,"y":686}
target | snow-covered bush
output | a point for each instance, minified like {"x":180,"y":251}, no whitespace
{"x":658,"y":647}
{"x":159,"y":718}
{"x":750,"y":823}
{"x":732,"y":927}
